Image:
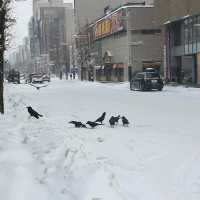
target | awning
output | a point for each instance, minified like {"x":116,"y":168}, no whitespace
{"x":176,"y":19}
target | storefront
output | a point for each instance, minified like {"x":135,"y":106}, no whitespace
{"x":182,"y":50}
{"x":110,"y":71}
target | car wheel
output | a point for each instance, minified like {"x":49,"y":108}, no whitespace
{"x":160,"y":89}
{"x":142,"y":87}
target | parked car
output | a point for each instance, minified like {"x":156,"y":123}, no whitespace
{"x":37,"y":78}
{"x":46,"y":77}
{"x":13,"y":76}
{"x":146,"y":81}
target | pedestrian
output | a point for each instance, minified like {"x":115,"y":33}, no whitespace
{"x":71,"y":76}
{"x":66,"y":74}
{"x":74,"y":75}
{"x":60,"y":75}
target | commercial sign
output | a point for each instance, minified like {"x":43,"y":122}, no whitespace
{"x":109,"y":25}
{"x":103,"y":28}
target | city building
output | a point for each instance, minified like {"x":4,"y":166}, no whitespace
{"x":55,"y":28}
{"x":33,"y":31}
{"x":123,"y":41}
{"x":180,"y":21}
{"x":21,"y":58}
{"x":88,"y":11}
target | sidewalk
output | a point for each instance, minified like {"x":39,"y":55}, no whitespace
{"x":183,"y":84}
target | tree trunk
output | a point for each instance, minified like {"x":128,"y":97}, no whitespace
{"x":1,"y":83}
{"x":2,"y":48}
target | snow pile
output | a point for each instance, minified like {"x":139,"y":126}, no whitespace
{"x":156,"y":157}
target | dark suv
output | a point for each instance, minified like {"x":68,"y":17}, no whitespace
{"x":146,"y":81}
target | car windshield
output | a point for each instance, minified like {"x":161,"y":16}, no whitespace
{"x":139,"y":76}
{"x":152,"y":75}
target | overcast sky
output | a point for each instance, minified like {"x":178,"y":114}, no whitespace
{"x":22,"y":10}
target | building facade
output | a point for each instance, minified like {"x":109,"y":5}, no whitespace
{"x":55,"y":29}
{"x":123,"y":41}
{"x":180,"y":21}
{"x":88,"y":11}
{"x":21,"y":58}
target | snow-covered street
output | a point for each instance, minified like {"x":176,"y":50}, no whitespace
{"x":156,"y":158}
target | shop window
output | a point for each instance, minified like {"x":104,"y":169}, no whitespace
{"x":115,"y":72}
{"x":197,"y":26}
{"x":121,"y":71}
{"x":120,"y":74}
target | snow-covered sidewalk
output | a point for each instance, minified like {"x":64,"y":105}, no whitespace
{"x":156,"y":158}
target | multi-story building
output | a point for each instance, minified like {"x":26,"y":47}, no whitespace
{"x":21,"y":59}
{"x":88,"y":11}
{"x":125,"y":40}
{"x":33,"y":32}
{"x":33,"y":27}
{"x":55,"y":27}
{"x":180,"y":21}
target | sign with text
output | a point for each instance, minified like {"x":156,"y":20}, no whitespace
{"x":109,"y":25}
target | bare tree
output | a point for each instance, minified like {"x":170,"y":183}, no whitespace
{"x":5,"y":23}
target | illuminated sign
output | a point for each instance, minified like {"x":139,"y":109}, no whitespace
{"x":109,"y":25}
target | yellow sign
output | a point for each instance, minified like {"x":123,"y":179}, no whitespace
{"x":103,"y":28}
{"x":109,"y":25}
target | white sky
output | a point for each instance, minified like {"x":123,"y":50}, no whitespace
{"x":22,"y":10}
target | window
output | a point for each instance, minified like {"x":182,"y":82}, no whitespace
{"x":139,"y":76}
{"x":197,"y":26}
{"x":152,"y":75}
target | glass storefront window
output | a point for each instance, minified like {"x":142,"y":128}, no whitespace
{"x":197,"y":26}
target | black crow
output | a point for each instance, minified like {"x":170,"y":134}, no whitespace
{"x":92,"y":124}
{"x":125,"y":121}
{"x":100,"y":119}
{"x":116,"y":119}
{"x":112,"y":122}
{"x":33,"y":113}
{"x":78,"y":124}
